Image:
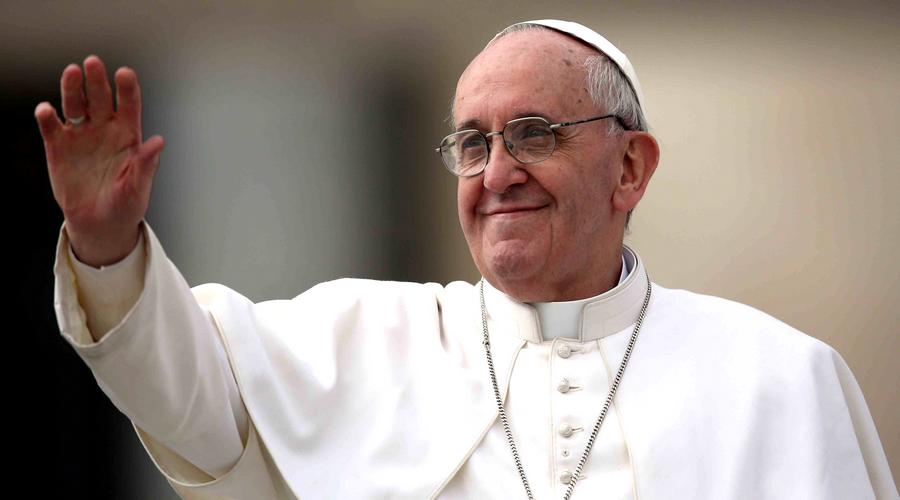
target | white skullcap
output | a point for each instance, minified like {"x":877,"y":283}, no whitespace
{"x":597,"y":41}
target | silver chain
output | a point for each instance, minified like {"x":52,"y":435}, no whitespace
{"x":612,"y":392}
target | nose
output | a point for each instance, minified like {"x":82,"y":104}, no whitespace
{"x":502,"y":170}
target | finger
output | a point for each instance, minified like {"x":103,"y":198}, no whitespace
{"x":128,"y":98}
{"x":47,"y":120}
{"x":148,"y":153}
{"x":72,"y":87}
{"x":99,"y":95}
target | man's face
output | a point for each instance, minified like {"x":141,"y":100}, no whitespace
{"x":539,"y":231}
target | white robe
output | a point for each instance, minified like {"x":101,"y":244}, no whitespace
{"x":367,"y":389}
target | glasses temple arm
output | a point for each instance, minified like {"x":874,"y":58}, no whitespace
{"x":566,"y":124}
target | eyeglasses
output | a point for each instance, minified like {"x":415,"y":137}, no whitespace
{"x":530,"y":139}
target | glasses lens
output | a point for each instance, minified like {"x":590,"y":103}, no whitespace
{"x":464,"y":152}
{"x":530,"y":140}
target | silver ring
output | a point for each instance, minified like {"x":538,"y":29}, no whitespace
{"x":76,"y":120}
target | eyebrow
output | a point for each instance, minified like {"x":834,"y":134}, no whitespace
{"x":475,"y":123}
{"x":468,"y":124}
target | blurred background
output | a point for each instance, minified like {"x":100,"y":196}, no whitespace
{"x":299,"y":149}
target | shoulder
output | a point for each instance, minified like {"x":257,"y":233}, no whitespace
{"x":709,"y":307}
{"x":733,"y":322}
{"x":346,"y":290}
{"x":346,"y":311}
{"x":340,"y":297}
{"x":355,"y":289}
{"x":338,"y":290}
{"x":729,"y":340}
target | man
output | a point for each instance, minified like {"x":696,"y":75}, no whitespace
{"x":563,"y":373}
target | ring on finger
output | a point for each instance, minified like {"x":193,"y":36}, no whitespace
{"x":75,"y":120}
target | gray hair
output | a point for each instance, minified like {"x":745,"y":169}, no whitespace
{"x":608,"y":87}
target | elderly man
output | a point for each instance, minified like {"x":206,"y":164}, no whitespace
{"x":563,"y":373}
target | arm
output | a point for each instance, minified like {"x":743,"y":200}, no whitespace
{"x":155,"y":352}
{"x":870,"y":447}
{"x":208,"y":429}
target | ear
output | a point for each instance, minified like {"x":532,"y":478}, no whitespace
{"x":639,"y":161}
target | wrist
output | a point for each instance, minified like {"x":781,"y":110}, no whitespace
{"x":97,"y":250}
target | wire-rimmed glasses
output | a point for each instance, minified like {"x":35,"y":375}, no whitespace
{"x":530,"y":139}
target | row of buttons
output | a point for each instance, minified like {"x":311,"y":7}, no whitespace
{"x":564,"y":386}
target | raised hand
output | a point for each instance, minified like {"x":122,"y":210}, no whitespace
{"x":101,"y":170}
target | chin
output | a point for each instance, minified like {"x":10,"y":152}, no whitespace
{"x":512,"y":261}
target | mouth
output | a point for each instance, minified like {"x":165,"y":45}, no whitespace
{"x":513,"y":211}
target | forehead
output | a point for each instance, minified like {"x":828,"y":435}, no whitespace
{"x":524,"y":73}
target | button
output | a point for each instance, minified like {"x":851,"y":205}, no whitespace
{"x":564,"y":386}
{"x":564,"y":351}
{"x":565,"y":477}
{"x":566,"y":430}
{"x":565,"y":453}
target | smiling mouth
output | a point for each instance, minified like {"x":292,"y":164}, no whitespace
{"x":515,"y":211}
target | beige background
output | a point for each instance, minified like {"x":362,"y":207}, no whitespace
{"x":299,"y":137}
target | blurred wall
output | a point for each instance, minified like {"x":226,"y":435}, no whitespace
{"x":300,"y":136}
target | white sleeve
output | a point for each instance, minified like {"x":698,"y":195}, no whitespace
{"x":161,"y":362}
{"x":107,"y":293}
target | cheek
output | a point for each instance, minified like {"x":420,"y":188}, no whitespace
{"x":590,"y":200}
{"x":467,"y":195}
{"x":583,"y":199}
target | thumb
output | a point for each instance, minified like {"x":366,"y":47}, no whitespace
{"x":147,"y":158}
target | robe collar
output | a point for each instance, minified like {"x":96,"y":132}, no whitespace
{"x":603,"y":315}
{"x":561,"y":319}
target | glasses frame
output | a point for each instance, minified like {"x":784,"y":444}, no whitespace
{"x":487,"y":138}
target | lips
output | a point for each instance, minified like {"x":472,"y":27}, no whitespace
{"x":513,"y":210}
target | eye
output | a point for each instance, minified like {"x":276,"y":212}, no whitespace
{"x":472,"y":141}
{"x":532,"y":132}
{"x":537,"y":131}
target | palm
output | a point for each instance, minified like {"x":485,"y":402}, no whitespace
{"x":100,"y":170}
{"x":92,"y":172}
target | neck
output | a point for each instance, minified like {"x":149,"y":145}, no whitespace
{"x":594,"y":279}
{"x":563,"y":319}
{"x":599,"y":316}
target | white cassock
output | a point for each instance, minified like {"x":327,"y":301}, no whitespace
{"x":372,"y":389}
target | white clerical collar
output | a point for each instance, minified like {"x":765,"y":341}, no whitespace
{"x":587,"y":319}
{"x":562,"y":319}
